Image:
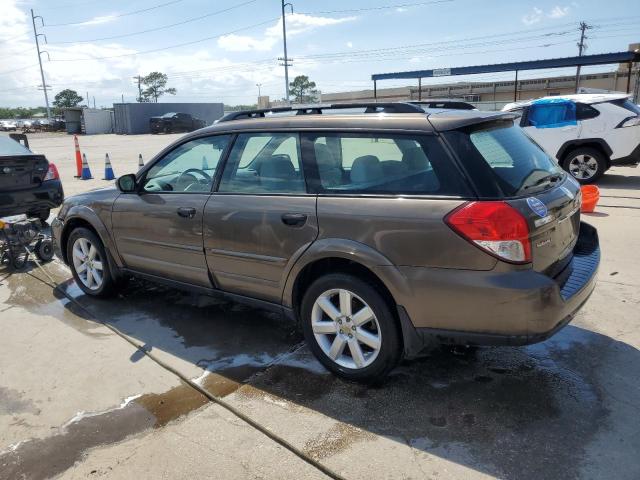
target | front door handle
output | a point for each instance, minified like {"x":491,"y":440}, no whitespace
{"x":294,"y":219}
{"x":187,"y":212}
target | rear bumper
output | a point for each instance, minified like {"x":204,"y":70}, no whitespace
{"x":498,"y":308}
{"x":48,"y":195}
{"x":632,"y":159}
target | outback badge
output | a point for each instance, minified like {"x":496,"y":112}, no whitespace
{"x":537,"y":206}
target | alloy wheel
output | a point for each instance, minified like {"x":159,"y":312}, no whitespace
{"x":346,"y":328}
{"x":88,"y":263}
{"x":583,"y":167}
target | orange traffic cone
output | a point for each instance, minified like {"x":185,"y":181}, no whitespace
{"x":78,"y":157}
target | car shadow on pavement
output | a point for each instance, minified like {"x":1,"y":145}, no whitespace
{"x":549,"y":410}
{"x":619,"y":182}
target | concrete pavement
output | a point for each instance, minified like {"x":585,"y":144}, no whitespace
{"x":79,"y":401}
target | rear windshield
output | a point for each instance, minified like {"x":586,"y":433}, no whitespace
{"x":503,"y":161}
{"x":627,"y":105}
{"x":9,"y":146}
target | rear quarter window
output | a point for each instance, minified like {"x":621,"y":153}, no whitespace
{"x":354,"y":163}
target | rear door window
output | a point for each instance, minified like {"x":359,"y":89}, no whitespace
{"x":262,"y":163}
{"x":349,"y":163}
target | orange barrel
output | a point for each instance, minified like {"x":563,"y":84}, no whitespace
{"x":590,"y":197}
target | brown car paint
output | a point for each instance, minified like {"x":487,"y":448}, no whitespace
{"x":441,"y":282}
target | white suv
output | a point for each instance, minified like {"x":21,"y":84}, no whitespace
{"x":587,"y":133}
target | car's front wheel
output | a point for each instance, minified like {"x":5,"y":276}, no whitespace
{"x":585,"y":164}
{"x":350,"y":327}
{"x":89,"y":264}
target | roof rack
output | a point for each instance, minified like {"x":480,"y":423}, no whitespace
{"x":370,"y":107}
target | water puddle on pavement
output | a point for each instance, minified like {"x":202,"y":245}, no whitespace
{"x":47,"y":457}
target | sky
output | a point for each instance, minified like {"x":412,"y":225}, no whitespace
{"x":219,"y":50}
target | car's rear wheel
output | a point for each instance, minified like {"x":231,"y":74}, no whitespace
{"x":350,"y":327}
{"x":585,"y":164}
{"x":89,"y":263}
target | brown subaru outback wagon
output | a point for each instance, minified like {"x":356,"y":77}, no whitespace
{"x":380,"y":227}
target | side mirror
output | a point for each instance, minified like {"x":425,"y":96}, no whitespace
{"x":127,"y":183}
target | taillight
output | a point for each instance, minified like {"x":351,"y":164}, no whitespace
{"x":52,"y":173}
{"x":495,"y":227}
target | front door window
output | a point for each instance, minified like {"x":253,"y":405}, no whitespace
{"x":189,"y":168}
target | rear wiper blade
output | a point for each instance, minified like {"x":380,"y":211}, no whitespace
{"x":554,"y":177}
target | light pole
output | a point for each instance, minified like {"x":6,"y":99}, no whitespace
{"x":36,"y":35}
{"x":286,"y":58}
{"x":258,"y":85}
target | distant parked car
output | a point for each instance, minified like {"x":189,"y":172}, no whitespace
{"x":587,"y":133}
{"x":8,"y":126}
{"x":29,"y":184}
{"x":175,"y":122}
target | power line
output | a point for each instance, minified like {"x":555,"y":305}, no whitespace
{"x":135,"y":12}
{"x":213,"y":37}
{"x":19,"y":69}
{"x":163,"y":27}
{"x":381,"y":7}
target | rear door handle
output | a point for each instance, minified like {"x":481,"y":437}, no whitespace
{"x":187,"y":212}
{"x":294,"y":219}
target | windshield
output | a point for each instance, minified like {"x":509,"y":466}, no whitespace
{"x":8,"y":146}
{"x":516,"y":164}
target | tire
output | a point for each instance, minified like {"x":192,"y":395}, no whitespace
{"x":585,"y":164}
{"x":382,"y":330}
{"x":44,"y":250}
{"x":102,"y":286}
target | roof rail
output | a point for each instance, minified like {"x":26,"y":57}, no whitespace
{"x":370,"y":107}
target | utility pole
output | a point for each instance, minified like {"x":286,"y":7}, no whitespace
{"x":286,"y":57}
{"x":139,"y":79}
{"x":581,"y":48}
{"x":36,"y":35}
{"x":258,"y":85}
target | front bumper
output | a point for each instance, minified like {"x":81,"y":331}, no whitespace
{"x":17,"y":202}
{"x":499,"y":308}
{"x":57,"y":226}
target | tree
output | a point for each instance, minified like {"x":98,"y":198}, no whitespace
{"x":303,"y":90}
{"x":67,"y":98}
{"x":156,"y":83}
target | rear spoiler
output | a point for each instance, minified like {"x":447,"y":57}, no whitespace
{"x":20,"y":138}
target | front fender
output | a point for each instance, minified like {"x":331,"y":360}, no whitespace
{"x":82,"y":212}
{"x":356,"y":252}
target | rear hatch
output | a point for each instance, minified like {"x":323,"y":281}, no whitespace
{"x":20,"y":168}
{"x":506,"y":165}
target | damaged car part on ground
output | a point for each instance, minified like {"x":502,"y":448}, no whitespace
{"x":379,"y":230}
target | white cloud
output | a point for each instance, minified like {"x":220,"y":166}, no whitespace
{"x":199,"y":74}
{"x":349,"y":44}
{"x":558,"y":12}
{"x":401,"y":9}
{"x":534,"y":16}
{"x":537,"y":14}
{"x":99,"y":20}
{"x":243,"y":43}
{"x":297,"y":23}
